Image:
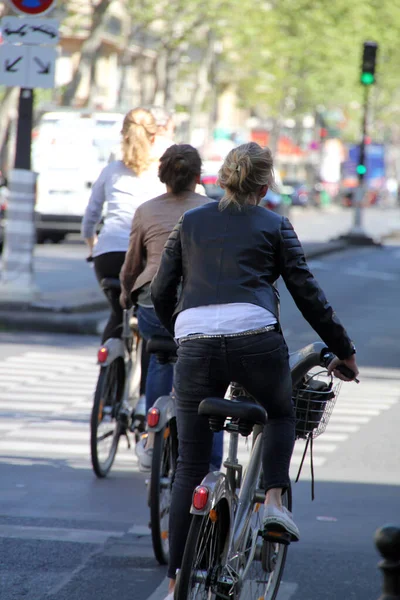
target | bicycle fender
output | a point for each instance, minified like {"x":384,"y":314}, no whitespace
{"x":115,"y":349}
{"x":218,"y":488}
{"x":166,"y":406}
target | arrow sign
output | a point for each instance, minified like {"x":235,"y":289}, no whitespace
{"x":44,"y":69}
{"x":10,"y":66}
{"x":42,"y":61}
{"x":30,"y":30}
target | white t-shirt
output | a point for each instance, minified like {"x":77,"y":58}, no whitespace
{"x":121,"y":192}
{"x":222,"y":319}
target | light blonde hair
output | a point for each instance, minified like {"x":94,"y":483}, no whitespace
{"x":138,"y":131}
{"x":245,"y":170}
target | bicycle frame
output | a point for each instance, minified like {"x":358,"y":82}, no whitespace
{"x":241,"y":496}
{"x":122,"y":348}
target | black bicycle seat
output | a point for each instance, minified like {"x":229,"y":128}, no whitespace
{"x":237,"y":409}
{"x":110,"y":283}
{"x":161,"y":344}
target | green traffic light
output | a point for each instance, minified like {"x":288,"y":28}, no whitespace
{"x":361,"y":169}
{"x":367,"y":78}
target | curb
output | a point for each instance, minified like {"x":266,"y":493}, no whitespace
{"x":88,"y":319}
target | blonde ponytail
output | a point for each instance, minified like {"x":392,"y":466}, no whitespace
{"x":138,"y":131}
{"x":245,"y":170}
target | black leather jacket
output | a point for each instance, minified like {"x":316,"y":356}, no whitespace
{"x":237,"y":256}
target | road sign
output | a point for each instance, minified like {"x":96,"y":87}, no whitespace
{"x":30,"y":30}
{"x":27,"y":66}
{"x":32,"y":7}
{"x":42,"y":63}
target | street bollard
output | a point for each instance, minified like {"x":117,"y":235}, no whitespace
{"x":387,"y":541}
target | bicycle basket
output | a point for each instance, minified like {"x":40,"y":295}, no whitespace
{"x":313,"y":401}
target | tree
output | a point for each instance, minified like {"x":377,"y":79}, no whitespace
{"x":88,"y":53}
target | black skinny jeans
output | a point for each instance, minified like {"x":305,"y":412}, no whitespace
{"x":205,"y":367}
{"x":110,"y":264}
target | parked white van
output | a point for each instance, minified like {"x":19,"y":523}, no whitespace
{"x":68,"y":152}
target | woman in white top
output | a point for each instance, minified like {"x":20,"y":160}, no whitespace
{"x":121,"y":187}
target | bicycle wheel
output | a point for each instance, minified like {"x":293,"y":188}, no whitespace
{"x":165,"y":454}
{"x":201,"y":563}
{"x":264,"y":573}
{"x":105,"y":428}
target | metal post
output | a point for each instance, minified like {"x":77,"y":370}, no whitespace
{"x":359,"y":197}
{"x":387,"y":541}
{"x":17,"y":278}
{"x":24,"y":130}
{"x":357,"y":234}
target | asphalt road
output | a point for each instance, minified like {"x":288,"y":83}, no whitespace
{"x":66,"y":535}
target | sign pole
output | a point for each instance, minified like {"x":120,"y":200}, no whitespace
{"x":27,"y":60}
{"x":24,"y":129}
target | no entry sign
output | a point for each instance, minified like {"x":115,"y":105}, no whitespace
{"x":32,"y":7}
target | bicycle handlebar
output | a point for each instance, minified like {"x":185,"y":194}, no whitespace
{"x":327,"y":357}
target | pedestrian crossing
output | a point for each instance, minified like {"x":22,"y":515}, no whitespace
{"x":355,"y":407}
{"x":45,"y":405}
{"x":46,"y":399}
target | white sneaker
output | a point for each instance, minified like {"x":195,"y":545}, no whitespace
{"x":145,"y":455}
{"x":276,"y":519}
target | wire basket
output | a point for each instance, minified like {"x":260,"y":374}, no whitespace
{"x":314,"y":399}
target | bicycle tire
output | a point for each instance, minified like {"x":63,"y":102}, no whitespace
{"x":202,"y":556}
{"x":108,"y":392}
{"x":265,"y":572}
{"x":165,"y":454}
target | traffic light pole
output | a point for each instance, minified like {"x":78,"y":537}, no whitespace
{"x":357,"y":235}
{"x":360,"y":193}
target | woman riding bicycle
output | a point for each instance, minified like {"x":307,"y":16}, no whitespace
{"x":179,"y":169}
{"x":227,"y":258}
{"x":122,"y":186}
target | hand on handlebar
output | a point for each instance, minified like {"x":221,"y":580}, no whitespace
{"x":350,"y":363}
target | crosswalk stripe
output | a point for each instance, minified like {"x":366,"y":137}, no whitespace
{"x":57,"y":388}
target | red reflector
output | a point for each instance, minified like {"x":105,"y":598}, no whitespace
{"x":200,"y":497}
{"x":153,"y":416}
{"x":102,"y":355}
{"x":209,"y":179}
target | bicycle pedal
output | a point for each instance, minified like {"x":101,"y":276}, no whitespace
{"x":276,"y":537}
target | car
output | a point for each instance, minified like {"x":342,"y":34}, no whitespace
{"x":70,"y":148}
{"x":297,"y":191}
{"x":209,"y":179}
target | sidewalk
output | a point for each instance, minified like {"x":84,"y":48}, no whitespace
{"x":70,"y":300}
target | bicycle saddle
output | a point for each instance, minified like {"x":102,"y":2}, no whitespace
{"x":161,"y":344}
{"x":238,"y":409}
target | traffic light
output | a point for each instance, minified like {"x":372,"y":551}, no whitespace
{"x":368,"y":63}
{"x":361,"y":169}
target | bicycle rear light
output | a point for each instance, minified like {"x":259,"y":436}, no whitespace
{"x":102,"y":355}
{"x":200,"y":497}
{"x":153,"y":416}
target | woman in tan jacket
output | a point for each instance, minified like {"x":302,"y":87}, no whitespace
{"x":179,"y":169}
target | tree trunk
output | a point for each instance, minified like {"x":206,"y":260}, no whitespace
{"x":201,"y":84}
{"x":88,"y":55}
{"x":171,"y":76}
{"x":8,"y":110}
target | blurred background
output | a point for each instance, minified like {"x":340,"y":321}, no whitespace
{"x":285,"y":74}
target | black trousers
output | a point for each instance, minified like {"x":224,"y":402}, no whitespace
{"x":110,"y":265}
{"x":205,"y":367}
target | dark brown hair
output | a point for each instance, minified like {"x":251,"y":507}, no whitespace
{"x":179,"y":166}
